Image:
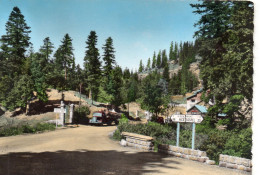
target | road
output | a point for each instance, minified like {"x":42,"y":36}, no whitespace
{"x":89,"y":150}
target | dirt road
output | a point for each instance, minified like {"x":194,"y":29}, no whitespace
{"x":88,"y":150}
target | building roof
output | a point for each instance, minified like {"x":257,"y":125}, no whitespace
{"x":195,"y":93}
{"x":202,"y":109}
{"x":222,"y":115}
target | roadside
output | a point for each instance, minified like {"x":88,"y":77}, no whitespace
{"x":89,"y":150}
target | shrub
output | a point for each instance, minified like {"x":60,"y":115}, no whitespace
{"x":10,"y":131}
{"x":117,"y":135}
{"x":123,"y":119}
{"x":80,"y":114}
{"x":240,"y":144}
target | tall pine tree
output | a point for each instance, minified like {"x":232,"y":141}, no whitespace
{"x":92,"y":65}
{"x":109,"y":56}
{"x":14,"y":43}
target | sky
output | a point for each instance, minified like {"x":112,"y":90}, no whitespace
{"x":137,"y":27}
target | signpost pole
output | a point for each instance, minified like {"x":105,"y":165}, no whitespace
{"x":193,"y":135}
{"x":178,"y":134}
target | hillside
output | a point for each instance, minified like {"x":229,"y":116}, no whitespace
{"x":174,"y":67}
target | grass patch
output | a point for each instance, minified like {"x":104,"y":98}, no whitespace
{"x":17,"y":130}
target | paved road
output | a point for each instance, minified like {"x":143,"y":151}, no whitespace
{"x":88,"y":150}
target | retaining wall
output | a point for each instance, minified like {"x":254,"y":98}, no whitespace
{"x":235,"y":162}
{"x":185,"y":153}
{"x":139,"y":144}
{"x":139,"y":141}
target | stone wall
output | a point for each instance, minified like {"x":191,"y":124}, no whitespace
{"x":235,"y":162}
{"x":139,"y":144}
{"x":186,"y":153}
{"x":138,"y":141}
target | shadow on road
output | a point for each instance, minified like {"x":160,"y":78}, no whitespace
{"x":82,"y":162}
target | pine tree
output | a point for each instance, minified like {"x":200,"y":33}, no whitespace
{"x":141,"y":67}
{"x":171,"y":52}
{"x":92,"y":65}
{"x":159,"y":60}
{"x":64,"y":57}
{"x":108,"y":57}
{"x":154,"y":60}
{"x":148,"y":67}
{"x":225,"y":37}
{"x":164,"y":59}
{"x":166,"y":73}
{"x":15,"y":43}
{"x":175,"y":53}
{"x":47,"y":48}
{"x":38,"y":76}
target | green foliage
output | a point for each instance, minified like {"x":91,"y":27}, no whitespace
{"x":21,"y":94}
{"x":151,"y":129}
{"x":14,"y":43}
{"x":103,"y":96}
{"x":141,"y":67}
{"x":109,"y":57}
{"x":228,"y":142}
{"x":92,"y":65}
{"x":80,"y":114}
{"x":240,"y":144}
{"x":171,"y":52}
{"x":153,"y":97}
{"x":38,"y":70}
{"x":225,"y":36}
{"x":148,"y":66}
{"x":159,"y":60}
{"x":154,"y":60}
{"x":123,"y":119}
{"x":47,"y":48}
{"x":39,"y":127}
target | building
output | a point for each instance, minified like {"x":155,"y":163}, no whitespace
{"x":202,"y":110}
{"x":194,"y":99}
{"x":197,"y":110}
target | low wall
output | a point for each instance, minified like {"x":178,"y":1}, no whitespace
{"x":235,"y":162}
{"x":186,"y":153}
{"x":139,"y":141}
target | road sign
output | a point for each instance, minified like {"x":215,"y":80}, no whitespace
{"x":178,"y":118}
{"x":58,"y":110}
{"x":194,"y":118}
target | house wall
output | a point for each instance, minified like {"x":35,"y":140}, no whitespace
{"x":196,"y":100}
{"x":194,"y":111}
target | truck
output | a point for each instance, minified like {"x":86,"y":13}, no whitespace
{"x":103,"y":117}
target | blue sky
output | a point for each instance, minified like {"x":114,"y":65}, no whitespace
{"x":138,"y":27}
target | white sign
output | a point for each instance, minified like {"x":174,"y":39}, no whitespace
{"x":194,"y":118}
{"x":178,"y":118}
{"x":58,"y":110}
{"x":187,"y":118}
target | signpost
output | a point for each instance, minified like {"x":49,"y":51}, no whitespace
{"x":61,"y":111}
{"x":180,"y":118}
{"x":58,"y":110}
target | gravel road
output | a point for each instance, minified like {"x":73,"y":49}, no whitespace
{"x":88,"y":150}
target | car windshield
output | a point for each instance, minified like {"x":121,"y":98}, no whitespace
{"x":97,"y":114}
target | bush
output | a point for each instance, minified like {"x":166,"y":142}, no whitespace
{"x":240,"y":144}
{"x":123,"y":119}
{"x":117,"y":135}
{"x":80,"y":115}
{"x":213,"y":141}
{"x":40,"y":127}
{"x":233,"y":143}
